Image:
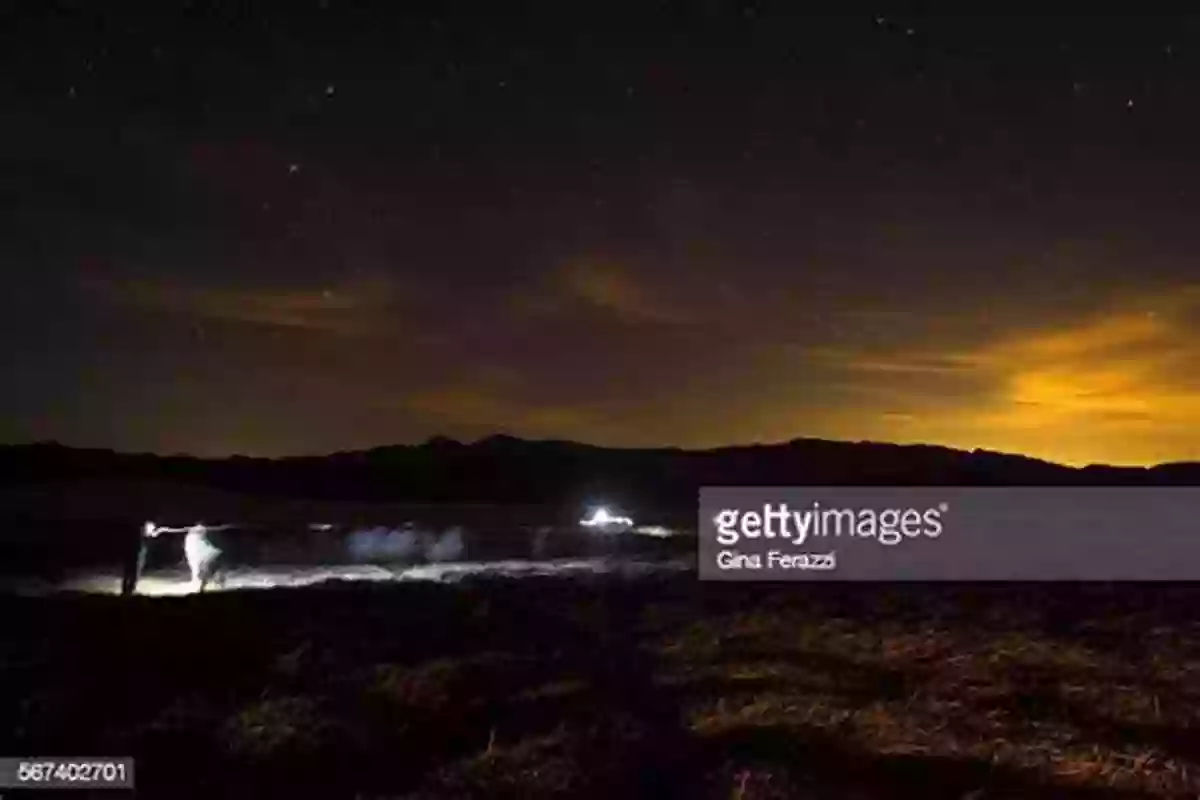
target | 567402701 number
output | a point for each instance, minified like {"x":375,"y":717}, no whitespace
{"x":55,"y":772}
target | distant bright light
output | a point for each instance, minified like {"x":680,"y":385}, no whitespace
{"x":601,"y":518}
{"x":657,"y":531}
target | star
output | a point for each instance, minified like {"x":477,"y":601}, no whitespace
{"x":330,"y":90}
{"x":293,"y":169}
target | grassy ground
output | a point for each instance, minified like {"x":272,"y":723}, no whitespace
{"x":666,"y":689}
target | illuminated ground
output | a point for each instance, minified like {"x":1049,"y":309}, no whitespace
{"x":174,"y":582}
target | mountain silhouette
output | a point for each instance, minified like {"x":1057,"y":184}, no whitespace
{"x":506,"y":470}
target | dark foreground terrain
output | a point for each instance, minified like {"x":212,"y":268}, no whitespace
{"x":615,"y":689}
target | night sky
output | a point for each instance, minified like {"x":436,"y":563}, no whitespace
{"x":331,"y":227}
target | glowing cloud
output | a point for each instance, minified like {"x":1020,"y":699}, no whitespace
{"x":1121,"y":386}
{"x":605,"y":287}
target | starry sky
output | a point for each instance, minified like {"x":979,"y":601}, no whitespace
{"x":322,"y":226}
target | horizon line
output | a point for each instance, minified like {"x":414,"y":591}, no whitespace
{"x":449,"y":440}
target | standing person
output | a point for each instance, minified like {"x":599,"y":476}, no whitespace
{"x":135,"y":560}
{"x":203,"y":557}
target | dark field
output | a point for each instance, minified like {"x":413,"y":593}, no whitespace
{"x":607,"y":688}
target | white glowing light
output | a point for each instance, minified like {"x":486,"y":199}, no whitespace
{"x":602,"y":519}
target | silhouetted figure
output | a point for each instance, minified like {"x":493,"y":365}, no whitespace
{"x":135,"y":559}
